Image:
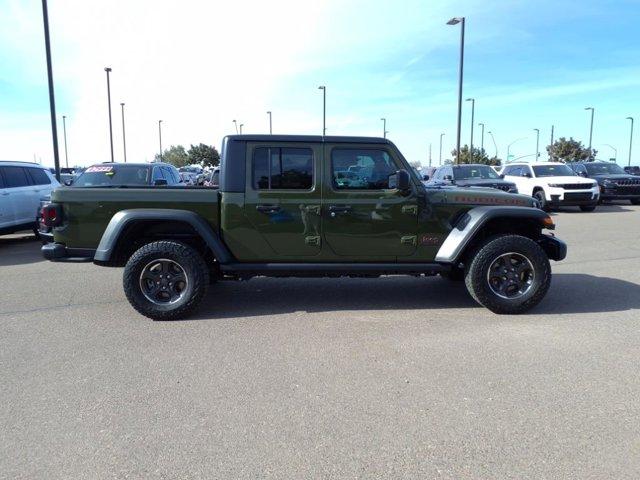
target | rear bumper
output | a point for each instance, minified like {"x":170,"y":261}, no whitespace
{"x":57,"y":252}
{"x":555,"y":248}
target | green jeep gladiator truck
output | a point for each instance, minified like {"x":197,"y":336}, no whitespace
{"x":305,"y":206}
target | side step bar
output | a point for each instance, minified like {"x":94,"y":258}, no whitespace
{"x":331,"y":269}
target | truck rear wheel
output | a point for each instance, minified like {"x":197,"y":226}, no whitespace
{"x":165,"y":280}
{"x":509,"y":274}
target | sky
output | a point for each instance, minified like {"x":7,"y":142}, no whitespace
{"x":198,"y":65}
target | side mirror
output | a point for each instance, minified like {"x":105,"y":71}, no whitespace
{"x":582,"y":174}
{"x":425,"y":178}
{"x":448,"y":178}
{"x":400,"y":180}
{"x":526,"y":174}
{"x":68,"y":183}
{"x":502,"y":176}
{"x":159,"y":182}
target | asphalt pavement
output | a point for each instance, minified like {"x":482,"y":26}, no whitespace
{"x":323,"y":378}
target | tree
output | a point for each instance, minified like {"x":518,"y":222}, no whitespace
{"x":175,"y":155}
{"x":479,"y":156}
{"x":204,"y":155}
{"x":571,"y":150}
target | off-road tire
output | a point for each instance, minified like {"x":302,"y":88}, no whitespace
{"x":476,"y":278}
{"x":187,"y":258}
{"x":587,"y":208}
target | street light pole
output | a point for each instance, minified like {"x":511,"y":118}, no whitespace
{"x":241,"y":125}
{"x":270,"y":124}
{"x":440,"y":157}
{"x":509,"y":146}
{"x":384,"y":127}
{"x":591,"y":128}
{"x":236,"y":125}
{"x":495,"y":146}
{"x":52,"y":100}
{"x":324,"y":109}
{"x":455,"y":21}
{"x":124,"y":141}
{"x":473,"y":109}
{"x":429,"y":153}
{"x":160,"y":137}
{"x":482,"y":137}
{"x":108,"y":70}
{"x":630,"y":139}
{"x":615,"y":151}
{"x":64,"y":129}
{"x":537,"y":142}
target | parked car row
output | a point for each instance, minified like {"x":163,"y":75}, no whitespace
{"x":552,"y":184}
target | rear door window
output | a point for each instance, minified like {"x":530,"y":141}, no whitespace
{"x":15,"y":177}
{"x":38,"y":176}
{"x":284,"y":168}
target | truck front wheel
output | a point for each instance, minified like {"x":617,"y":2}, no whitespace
{"x":165,"y":280}
{"x":509,"y":274}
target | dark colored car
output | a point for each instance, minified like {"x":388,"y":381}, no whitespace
{"x":306,"y":206}
{"x":614,"y":183}
{"x":128,"y":175}
{"x":632,"y":170}
{"x":471,"y":175}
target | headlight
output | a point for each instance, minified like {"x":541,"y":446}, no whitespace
{"x":555,"y":185}
{"x":606,"y":183}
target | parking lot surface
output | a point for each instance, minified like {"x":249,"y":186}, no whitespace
{"x":326,"y":378}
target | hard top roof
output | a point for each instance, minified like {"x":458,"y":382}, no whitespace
{"x":306,"y":139}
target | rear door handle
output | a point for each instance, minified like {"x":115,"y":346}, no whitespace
{"x":336,"y":209}
{"x":268,"y":208}
{"x":4,"y":194}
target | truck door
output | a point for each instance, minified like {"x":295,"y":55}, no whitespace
{"x":363,"y":218}
{"x":282,"y":197}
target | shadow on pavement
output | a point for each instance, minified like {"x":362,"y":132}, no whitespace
{"x":582,"y":293}
{"x":602,"y":208}
{"x":19,"y":249}
{"x":272,"y":296}
{"x":569,"y":293}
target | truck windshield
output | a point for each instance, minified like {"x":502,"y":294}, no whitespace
{"x":603,"y":168}
{"x":553,"y":171}
{"x":113,"y":175}
{"x":468,"y":172}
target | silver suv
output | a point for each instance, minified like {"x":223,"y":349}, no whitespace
{"x":22,"y":186}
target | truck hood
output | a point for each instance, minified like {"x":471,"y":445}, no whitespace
{"x":478,"y":196}
{"x":486,"y":182}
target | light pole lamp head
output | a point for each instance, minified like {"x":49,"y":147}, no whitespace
{"x":455,"y":20}
{"x":470,"y":100}
{"x":122,"y":104}
{"x":480,"y":123}
{"x":107,"y":69}
{"x":268,"y":113}
{"x":588,"y":108}
{"x":629,"y":118}
{"x":322,"y":87}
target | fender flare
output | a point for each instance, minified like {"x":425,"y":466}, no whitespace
{"x":124,"y":218}
{"x":473,"y":221}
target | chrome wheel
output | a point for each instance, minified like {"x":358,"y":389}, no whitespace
{"x":163,"y":281}
{"x":511,"y":275}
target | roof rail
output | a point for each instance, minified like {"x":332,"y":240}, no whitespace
{"x":20,"y":161}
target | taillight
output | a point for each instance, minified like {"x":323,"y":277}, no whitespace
{"x":51,"y":215}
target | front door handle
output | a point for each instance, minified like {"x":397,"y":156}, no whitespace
{"x":336,"y":209}
{"x":268,"y":208}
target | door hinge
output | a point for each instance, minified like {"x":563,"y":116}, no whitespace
{"x":409,"y":240}
{"x":314,"y":241}
{"x":313,"y":209}
{"x":410,"y":209}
